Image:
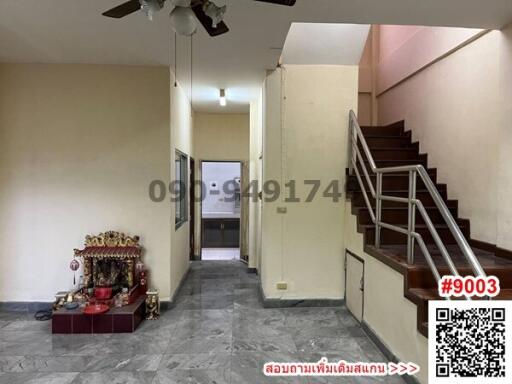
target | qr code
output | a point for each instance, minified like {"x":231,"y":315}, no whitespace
{"x":469,"y":342}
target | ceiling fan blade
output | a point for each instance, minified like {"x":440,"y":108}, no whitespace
{"x":206,"y":21}
{"x":289,"y":3}
{"x":123,"y":10}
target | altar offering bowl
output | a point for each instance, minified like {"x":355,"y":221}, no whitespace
{"x":103,"y":293}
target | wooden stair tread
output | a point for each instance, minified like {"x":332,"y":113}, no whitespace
{"x":419,"y":284}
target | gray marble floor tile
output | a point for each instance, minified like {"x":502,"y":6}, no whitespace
{"x":123,"y":362}
{"x":311,"y":317}
{"x":114,"y":378}
{"x":217,"y":333}
{"x":201,"y":302}
{"x":37,"y":378}
{"x":282,"y":343}
{"x":137,"y":344}
{"x":346,"y":348}
{"x":37,"y":346}
{"x":200,"y":344}
{"x":193,"y":376}
{"x":216,"y":361}
{"x":78,"y":345}
{"x":29,"y":326}
{"x":49,"y":364}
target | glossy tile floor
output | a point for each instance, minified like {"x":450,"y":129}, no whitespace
{"x":218,"y":333}
{"x":220,"y":254}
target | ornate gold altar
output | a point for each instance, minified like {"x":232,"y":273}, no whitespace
{"x":109,"y":260}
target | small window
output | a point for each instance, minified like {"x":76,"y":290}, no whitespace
{"x":181,"y":201}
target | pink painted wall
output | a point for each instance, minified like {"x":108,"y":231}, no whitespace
{"x":404,"y":50}
{"x":448,"y":85}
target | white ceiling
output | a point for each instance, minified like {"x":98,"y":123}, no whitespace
{"x":327,"y":44}
{"x":73,"y":31}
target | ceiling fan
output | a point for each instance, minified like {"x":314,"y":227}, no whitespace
{"x":182,"y":17}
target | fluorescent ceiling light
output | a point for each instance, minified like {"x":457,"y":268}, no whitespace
{"x":222,"y":98}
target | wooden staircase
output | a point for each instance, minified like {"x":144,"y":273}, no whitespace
{"x":392,"y":146}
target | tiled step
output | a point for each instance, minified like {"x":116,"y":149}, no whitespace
{"x":400,"y":215}
{"x":396,"y":129}
{"x":389,"y":181}
{"x":409,"y":153}
{"x":422,"y":195}
{"x":422,"y":159}
{"x":391,"y":146}
{"x":384,"y":141}
{"x":389,"y":237}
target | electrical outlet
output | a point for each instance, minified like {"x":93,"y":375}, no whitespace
{"x":282,"y":286}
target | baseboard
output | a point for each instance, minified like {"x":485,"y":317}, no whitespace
{"x":385,"y":350}
{"x":34,"y":306}
{"x":25,"y":306}
{"x":493,"y":248}
{"x":298,"y":303}
{"x":167,"y":305}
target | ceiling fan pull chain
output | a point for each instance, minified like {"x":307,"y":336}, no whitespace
{"x":191,"y":73}
{"x":175,"y":60}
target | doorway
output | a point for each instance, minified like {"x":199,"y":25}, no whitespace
{"x":221,"y":210}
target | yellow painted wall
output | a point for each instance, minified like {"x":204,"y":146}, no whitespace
{"x":306,"y":138}
{"x":182,"y":136}
{"x":79,"y":145}
{"x":221,"y":136}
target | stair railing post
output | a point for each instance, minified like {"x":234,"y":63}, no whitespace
{"x":378,"y":206}
{"x":411,"y":215}
{"x":353,"y":134}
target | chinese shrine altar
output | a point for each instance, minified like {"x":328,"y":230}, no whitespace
{"x":111,"y":297}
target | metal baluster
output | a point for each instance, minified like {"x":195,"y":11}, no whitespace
{"x":411,"y":227}
{"x":354,"y":144}
{"x":378,"y":203}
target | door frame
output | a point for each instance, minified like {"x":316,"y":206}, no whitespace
{"x":192,"y":207}
{"x":352,"y":254}
{"x":199,"y":238}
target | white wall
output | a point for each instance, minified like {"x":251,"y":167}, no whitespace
{"x":504,"y":217}
{"x":79,"y":145}
{"x":220,"y":199}
{"x":306,"y":138}
{"x":181,"y":139}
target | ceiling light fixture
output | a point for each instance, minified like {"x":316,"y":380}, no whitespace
{"x":150,"y":7}
{"x":222,"y":98}
{"x":183,"y":21}
{"x":214,"y":12}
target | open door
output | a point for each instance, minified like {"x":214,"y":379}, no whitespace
{"x":354,"y":284}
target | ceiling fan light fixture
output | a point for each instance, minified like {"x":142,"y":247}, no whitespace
{"x":150,"y":7}
{"x":222,"y":98}
{"x":214,"y":12}
{"x":183,"y":21}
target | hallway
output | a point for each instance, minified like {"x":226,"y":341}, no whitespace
{"x":217,"y":333}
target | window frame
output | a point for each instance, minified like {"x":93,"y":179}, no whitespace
{"x":181,"y":202}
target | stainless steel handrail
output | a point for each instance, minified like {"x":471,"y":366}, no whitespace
{"x":413,"y":204}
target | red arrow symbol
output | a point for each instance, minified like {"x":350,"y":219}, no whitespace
{"x":393,"y":368}
{"x":403,"y":368}
{"x":413,"y":369}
